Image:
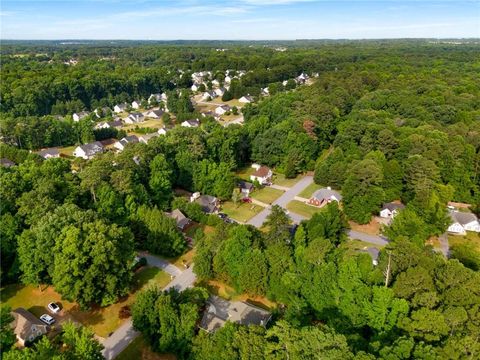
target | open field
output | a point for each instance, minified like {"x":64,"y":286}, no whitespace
{"x":309,"y":190}
{"x":101,"y":320}
{"x":300,"y":208}
{"x":138,"y":349}
{"x":267,"y":195}
{"x":150,"y":123}
{"x":471,"y":237}
{"x":281,"y":180}
{"x":373,"y":227}
{"x":242,"y":212}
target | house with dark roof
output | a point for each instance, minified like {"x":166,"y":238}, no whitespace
{"x":461,"y":222}
{"x":218,"y":311}
{"x":222,"y":109}
{"x":181,"y":220}
{"x":79,"y":116}
{"x":88,"y":151}
{"x":390,"y":210}
{"x":120,"y":108}
{"x":209,"y":204}
{"x":263,"y":174}
{"x":324,"y":196}
{"x":131,"y":139}
{"x":4,"y":162}
{"x":246,"y":99}
{"x":147,"y":137}
{"x":155,"y":114}
{"x":49,"y":153}
{"x":245,"y":188}
{"x":26,"y":326}
{"x":191,"y":123}
{"x":134,"y":117}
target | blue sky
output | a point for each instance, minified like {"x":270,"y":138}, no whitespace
{"x":237,"y":19}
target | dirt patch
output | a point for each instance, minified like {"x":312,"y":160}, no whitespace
{"x":373,"y":227}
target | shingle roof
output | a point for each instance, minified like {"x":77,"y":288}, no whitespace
{"x":92,"y":148}
{"x":24,"y":321}
{"x":50,"y":151}
{"x":326,"y":193}
{"x":207,"y":202}
{"x":393,"y":206}
{"x":6,"y":162}
{"x":245,"y":185}
{"x":262,"y":171}
{"x":181,"y":219}
{"x":462,"y":218}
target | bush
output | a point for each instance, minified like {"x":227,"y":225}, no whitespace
{"x":125,"y":312}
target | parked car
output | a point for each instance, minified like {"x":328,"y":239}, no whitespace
{"x":47,"y":319}
{"x":222,"y":215}
{"x":53,"y":307}
{"x":247,"y":200}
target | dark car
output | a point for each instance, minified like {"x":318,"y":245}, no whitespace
{"x":222,"y":215}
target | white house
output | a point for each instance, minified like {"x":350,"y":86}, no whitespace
{"x":131,"y":139}
{"x":215,"y":82}
{"x":147,"y":137}
{"x":228,"y":79}
{"x":79,"y":116}
{"x":163,"y":97}
{"x":246,"y":99}
{"x":220,"y":110}
{"x":88,"y":151}
{"x":324,"y":196}
{"x":134,"y":117}
{"x":191,"y":123}
{"x":195,"y":87}
{"x":49,"y":153}
{"x":463,"y":222}
{"x":163,"y":131}
{"x":207,"y":95}
{"x":263,"y":175}
{"x":155,"y":114}
{"x":120,"y":108}
{"x":220,"y":91}
{"x":136,"y":104}
{"x":265,"y":92}
{"x":390,"y":210}
{"x":109,"y":124}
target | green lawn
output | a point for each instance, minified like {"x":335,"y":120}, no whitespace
{"x":101,"y":320}
{"x":245,"y":173}
{"x":309,"y":190}
{"x":243,"y":212}
{"x":300,"y":208}
{"x":138,"y":349}
{"x":281,"y":180}
{"x":267,"y":195}
{"x":471,"y":237}
{"x":354,"y":246}
{"x":67,"y":150}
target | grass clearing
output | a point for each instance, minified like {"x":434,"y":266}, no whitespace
{"x":245,"y":173}
{"x":242,"y":211}
{"x":182,"y":260}
{"x":281,"y":180}
{"x":151,"y":123}
{"x":309,"y":190}
{"x":300,"y":208}
{"x":102,"y":320}
{"x":267,"y":195}
{"x":471,"y":237}
{"x":373,"y":227}
{"x":138,"y":349}
{"x":67,"y":150}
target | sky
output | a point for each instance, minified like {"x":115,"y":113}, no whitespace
{"x":237,"y":19}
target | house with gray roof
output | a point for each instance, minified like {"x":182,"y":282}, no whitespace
{"x":461,"y":222}
{"x":26,"y":326}
{"x":4,"y":162}
{"x":120,"y":108}
{"x":131,"y":139}
{"x":88,"y":151}
{"x":181,"y":220}
{"x":79,"y":116}
{"x":218,"y":311}
{"x":324,"y":196}
{"x":390,"y":210}
{"x":134,"y":117}
{"x":49,"y":153}
{"x":210,"y":204}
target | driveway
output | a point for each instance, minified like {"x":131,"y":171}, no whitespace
{"x":444,"y":246}
{"x":282,"y":201}
{"x":373,"y":239}
{"x":125,"y":334}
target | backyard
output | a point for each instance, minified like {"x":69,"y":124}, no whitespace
{"x":266,"y":195}
{"x":242,"y":211}
{"x":102,"y":321}
{"x":281,"y":180}
{"x":309,"y":190}
{"x":138,"y":349}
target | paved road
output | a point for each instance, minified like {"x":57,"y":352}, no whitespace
{"x":283,"y":200}
{"x":374,"y":239}
{"x":125,"y":334}
{"x":444,"y":246}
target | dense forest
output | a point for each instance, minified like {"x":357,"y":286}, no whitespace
{"x":383,"y":121}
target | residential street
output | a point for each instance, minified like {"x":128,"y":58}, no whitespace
{"x":283,"y":200}
{"x":125,"y":334}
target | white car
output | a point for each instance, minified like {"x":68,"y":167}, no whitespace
{"x":47,"y":319}
{"x":54,"y":308}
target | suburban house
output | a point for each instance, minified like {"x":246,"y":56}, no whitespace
{"x":88,"y":151}
{"x":215,"y":82}
{"x":104,"y":111}
{"x":120,"y":108}
{"x":228,"y":79}
{"x":147,"y":137}
{"x":26,"y":326}
{"x":4,"y":162}
{"x":155,"y":114}
{"x":131,"y":139}
{"x":463,"y":222}
{"x":324,"y":196}
{"x":181,"y":220}
{"x":49,"y":153}
{"x":220,"y":110}
{"x":191,"y":123}
{"x":134,"y":117}
{"x":218,"y":311}
{"x":163,"y":131}
{"x":207,"y":95}
{"x":79,"y":116}
{"x":245,"y":188}
{"x":195,"y":87}
{"x":246,"y":99}
{"x":390,"y":210}
{"x":210,"y":204}
{"x":265,"y":92}
{"x":263,"y":174}
{"x":109,"y":124}
{"x":220,"y":91}
{"x":136,"y":104}
{"x":154,"y":97}
{"x":300,"y":79}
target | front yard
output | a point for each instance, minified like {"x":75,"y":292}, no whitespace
{"x":309,"y":190}
{"x":245,"y":173}
{"x":300,"y":208}
{"x":266,"y":195}
{"x":281,"y":180}
{"x":241,"y":212}
{"x":102,"y":321}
